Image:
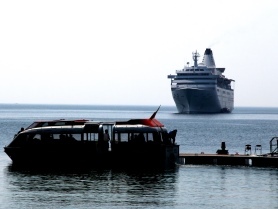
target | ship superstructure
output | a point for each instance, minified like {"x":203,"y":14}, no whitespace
{"x":202,"y":88}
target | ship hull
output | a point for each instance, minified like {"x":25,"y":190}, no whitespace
{"x":203,"y":100}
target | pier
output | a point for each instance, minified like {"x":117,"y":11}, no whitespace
{"x":232,"y":159}
{"x":224,"y":158}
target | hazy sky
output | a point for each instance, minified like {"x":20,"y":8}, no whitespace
{"x":120,"y":52}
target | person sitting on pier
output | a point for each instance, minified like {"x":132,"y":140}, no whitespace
{"x":223,"y":150}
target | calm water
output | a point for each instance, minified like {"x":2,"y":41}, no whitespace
{"x":187,"y":186}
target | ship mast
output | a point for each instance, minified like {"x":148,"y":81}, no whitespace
{"x":195,"y":56}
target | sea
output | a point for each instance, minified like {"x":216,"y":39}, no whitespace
{"x":185,"y":186}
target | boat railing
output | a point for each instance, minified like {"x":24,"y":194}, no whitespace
{"x":273,"y":146}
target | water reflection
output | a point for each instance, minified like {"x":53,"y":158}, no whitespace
{"x":93,"y":187}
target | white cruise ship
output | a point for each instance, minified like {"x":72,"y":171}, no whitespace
{"x":202,"y":88}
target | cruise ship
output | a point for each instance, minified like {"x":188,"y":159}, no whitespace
{"x":202,"y":88}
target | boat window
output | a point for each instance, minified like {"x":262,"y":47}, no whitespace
{"x":91,"y":136}
{"x":67,"y":137}
{"x":36,"y":137}
{"x":76,"y":137}
{"x":133,"y":137}
{"x":153,"y":137}
{"x":138,"y":137}
{"x":116,"y":137}
{"x":121,"y":137}
{"x":35,"y":124}
{"x":60,"y":123}
{"x":45,"y":124}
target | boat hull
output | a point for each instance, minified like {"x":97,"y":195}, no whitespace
{"x":57,"y":155}
{"x":82,"y":155}
{"x":203,"y":100}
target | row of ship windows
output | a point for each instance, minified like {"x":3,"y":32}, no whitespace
{"x":195,"y":78}
{"x":194,"y":70}
{"x":196,"y":83}
{"x":224,"y":92}
{"x":188,"y":74}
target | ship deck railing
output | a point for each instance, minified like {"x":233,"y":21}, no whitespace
{"x":273,"y":146}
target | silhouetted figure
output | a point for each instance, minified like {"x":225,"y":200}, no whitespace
{"x":70,"y":137}
{"x":22,"y":129}
{"x":106,"y":139}
{"x":223,"y":150}
{"x":172,"y":135}
{"x":141,"y":138}
{"x":62,"y":137}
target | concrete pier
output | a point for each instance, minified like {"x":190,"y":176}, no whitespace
{"x":229,"y":159}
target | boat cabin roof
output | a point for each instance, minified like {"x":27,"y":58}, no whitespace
{"x":147,"y":122}
{"x":93,"y":128}
{"x":60,"y":122}
{"x":137,"y":129}
{"x":55,"y":130}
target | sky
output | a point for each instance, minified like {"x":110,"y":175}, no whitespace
{"x":120,"y":52}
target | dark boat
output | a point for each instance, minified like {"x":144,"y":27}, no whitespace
{"x":76,"y":143}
